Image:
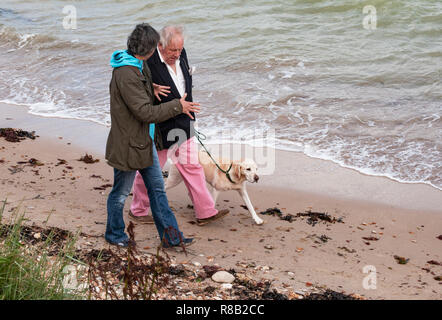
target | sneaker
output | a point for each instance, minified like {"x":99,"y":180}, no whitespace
{"x":123,"y":244}
{"x":219,"y":215}
{"x":142,"y":219}
{"x":186,"y":243}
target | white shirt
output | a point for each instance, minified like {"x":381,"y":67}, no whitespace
{"x":178,"y":78}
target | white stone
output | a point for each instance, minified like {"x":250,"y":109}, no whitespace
{"x":226,"y":286}
{"x":197,"y":264}
{"x":223,"y":277}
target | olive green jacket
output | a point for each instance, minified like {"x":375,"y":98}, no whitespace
{"x":129,"y":146}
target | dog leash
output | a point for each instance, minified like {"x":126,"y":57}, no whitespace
{"x":200,"y":136}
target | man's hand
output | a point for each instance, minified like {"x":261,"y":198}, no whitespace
{"x":189,"y":106}
{"x":158,"y":89}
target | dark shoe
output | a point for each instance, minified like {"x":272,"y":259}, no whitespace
{"x":123,"y":244}
{"x":186,"y":243}
{"x":141,"y":219}
{"x":219,"y":215}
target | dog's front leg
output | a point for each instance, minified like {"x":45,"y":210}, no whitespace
{"x":245,"y":196}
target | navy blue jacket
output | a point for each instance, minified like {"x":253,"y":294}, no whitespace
{"x":161,"y":76}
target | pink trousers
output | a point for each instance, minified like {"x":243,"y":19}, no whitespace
{"x":186,"y":161}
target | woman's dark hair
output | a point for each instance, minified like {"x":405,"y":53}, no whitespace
{"x":143,"y":40}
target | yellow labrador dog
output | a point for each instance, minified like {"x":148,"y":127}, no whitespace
{"x":241,"y":172}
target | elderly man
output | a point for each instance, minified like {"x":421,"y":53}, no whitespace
{"x":174,"y":137}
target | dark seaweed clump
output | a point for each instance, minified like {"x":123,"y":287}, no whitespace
{"x":16,"y":135}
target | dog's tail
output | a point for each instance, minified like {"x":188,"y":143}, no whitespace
{"x":174,"y":178}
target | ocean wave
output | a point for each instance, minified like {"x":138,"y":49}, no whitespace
{"x":311,"y":152}
{"x":10,"y":37}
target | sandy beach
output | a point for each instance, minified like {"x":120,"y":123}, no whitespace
{"x":396,"y":219}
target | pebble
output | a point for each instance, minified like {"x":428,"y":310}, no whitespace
{"x":37,"y":235}
{"x":197,"y":264}
{"x":223,"y":277}
{"x":291,"y":274}
{"x":226,"y":286}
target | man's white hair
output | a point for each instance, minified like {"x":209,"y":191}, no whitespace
{"x":169,"y":32}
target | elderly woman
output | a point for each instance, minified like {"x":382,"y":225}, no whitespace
{"x":129,"y":146}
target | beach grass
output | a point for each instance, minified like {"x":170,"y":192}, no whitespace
{"x":42,"y":264}
{"x":30,"y":272}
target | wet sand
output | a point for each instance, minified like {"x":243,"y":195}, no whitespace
{"x":405,"y":218}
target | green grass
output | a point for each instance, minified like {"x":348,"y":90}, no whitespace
{"x":27,"y":272}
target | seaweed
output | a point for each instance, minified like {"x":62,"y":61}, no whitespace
{"x":88,"y":159}
{"x":103,"y":187}
{"x":140,"y":277}
{"x":314,"y":217}
{"x":272,"y":212}
{"x":16,"y":135}
{"x":329,"y":295}
{"x":401,"y":260}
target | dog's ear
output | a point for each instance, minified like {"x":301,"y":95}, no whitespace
{"x":237,"y":170}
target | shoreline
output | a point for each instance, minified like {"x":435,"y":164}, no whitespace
{"x":92,"y":123}
{"x":293,"y":170}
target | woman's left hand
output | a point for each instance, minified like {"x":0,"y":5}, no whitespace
{"x":158,"y":89}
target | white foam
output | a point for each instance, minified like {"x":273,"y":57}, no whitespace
{"x":309,"y":151}
{"x":25,"y":39}
{"x":44,"y":110}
